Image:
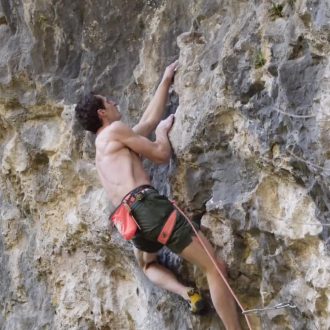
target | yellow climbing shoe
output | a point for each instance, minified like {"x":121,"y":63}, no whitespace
{"x":196,"y":301}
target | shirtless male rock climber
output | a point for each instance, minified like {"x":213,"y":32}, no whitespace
{"x":119,"y":153}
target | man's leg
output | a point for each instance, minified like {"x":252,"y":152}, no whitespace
{"x":223,"y":301}
{"x":158,"y":274}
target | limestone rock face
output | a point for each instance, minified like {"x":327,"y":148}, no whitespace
{"x":251,"y":144}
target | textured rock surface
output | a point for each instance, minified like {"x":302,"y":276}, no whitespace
{"x":252,"y":157}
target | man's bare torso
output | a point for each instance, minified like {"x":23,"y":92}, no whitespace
{"x":119,"y":168}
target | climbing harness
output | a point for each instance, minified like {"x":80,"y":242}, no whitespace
{"x":265,"y":309}
{"x":123,"y":219}
{"x":216,"y":266}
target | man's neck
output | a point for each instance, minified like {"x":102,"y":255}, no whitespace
{"x":105,"y":125}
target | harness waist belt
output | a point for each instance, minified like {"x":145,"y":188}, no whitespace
{"x":166,"y":232}
{"x":137,"y":194}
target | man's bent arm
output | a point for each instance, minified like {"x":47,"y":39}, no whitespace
{"x":158,"y":151}
{"x":155,"y":109}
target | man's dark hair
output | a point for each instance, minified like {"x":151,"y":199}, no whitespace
{"x":86,"y":112}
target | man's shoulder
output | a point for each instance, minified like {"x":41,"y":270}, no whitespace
{"x":113,"y":128}
{"x":115,"y":132}
{"x":119,"y":130}
{"x":108,"y":138}
{"x":117,"y":126}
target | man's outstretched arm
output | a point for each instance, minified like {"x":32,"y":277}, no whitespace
{"x":155,"y":109}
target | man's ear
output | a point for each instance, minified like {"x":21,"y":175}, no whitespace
{"x":101,"y":113}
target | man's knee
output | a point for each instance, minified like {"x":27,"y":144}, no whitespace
{"x":145,"y":265}
{"x":144,"y":259}
{"x":210,"y":267}
{"x":148,"y":264}
{"x":221,"y":265}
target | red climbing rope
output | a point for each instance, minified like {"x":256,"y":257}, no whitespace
{"x":216,"y":266}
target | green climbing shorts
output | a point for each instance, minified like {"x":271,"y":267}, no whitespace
{"x":151,"y":214}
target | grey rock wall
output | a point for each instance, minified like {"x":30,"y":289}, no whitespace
{"x":251,"y":157}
